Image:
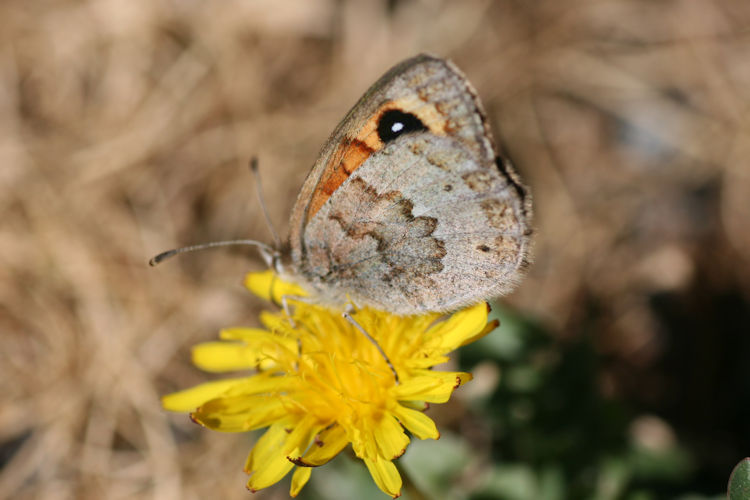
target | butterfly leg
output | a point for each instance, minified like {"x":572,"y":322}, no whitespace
{"x":348,"y":317}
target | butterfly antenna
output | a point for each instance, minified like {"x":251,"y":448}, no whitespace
{"x":266,"y":251}
{"x":259,"y":191}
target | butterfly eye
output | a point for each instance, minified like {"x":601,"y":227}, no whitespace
{"x":394,"y":123}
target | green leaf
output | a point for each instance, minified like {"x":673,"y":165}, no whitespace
{"x":739,"y":481}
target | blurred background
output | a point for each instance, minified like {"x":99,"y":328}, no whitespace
{"x":621,"y":368}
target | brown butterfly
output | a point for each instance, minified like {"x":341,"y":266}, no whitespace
{"x":409,"y":207}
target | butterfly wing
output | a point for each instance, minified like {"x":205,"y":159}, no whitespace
{"x":407,"y":209}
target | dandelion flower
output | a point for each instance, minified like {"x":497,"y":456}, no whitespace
{"x":321,"y":385}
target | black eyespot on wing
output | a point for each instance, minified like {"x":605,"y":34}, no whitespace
{"x":394,"y":123}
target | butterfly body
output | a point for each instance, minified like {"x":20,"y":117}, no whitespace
{"x":409,"y":208}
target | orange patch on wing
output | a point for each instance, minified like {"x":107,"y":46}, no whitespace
{"x":350,"y":155}
{"x":353,"y":152}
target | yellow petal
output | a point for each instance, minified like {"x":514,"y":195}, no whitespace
{"x":272,"y":472}
{"x":192,"y":398}
{"x":301,"y":436}
{"x":262,"y":383}
{"x":386,"y":476}
{"x":240,"y":414}
{"x":265,"y":464}
{"x":330,"y":442}
{"x":462,"y":325}
{"x":228,"y":356}
{"x":435,"y":387}
{"x":299,"y":479}
{"x":427,"y":361}
{"x":390,"y":437}
{"x":417,"y":423}
{"x":486,"y":330}
{"x":246,"y":334}
{"x":363,"y":442}
{"x":267,"y":285}
{"x":266,"y":445}
{"x":223,"y":356}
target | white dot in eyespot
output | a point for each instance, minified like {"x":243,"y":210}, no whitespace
{"x":397,"y":127}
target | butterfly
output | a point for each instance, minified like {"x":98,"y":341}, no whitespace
{"x":410,"y":208}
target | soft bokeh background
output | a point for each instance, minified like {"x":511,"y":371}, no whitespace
{"x":621,"y":370}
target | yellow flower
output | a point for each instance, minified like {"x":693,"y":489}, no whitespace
{"x":321,"y":384}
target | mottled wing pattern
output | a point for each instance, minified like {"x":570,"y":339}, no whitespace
{"x":429,"y":220}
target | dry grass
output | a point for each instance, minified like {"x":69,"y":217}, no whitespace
{"x":126,"y":127}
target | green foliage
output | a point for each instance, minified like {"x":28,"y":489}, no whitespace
{"x":554,"y":434}
{"x":739,"y":482}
